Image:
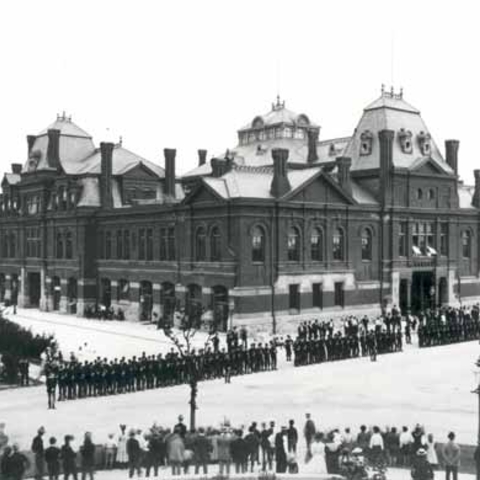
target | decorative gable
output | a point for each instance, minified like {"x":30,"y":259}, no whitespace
{"x":321,"y":190}
{"x":428,"y":167}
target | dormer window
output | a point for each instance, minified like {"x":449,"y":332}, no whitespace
{"x":405,"y":137}
{"x":424,"y":142}
{"x":366,"y":142}
{"x":262,"y":135}
{"x":288,"y":133}
{"x":332,"y":150}
{"x":299,"y":134}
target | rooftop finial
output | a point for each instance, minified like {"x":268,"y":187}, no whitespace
{"x":383,"y":89}
{"x":278,"y":105}
{"x":120,"y":140}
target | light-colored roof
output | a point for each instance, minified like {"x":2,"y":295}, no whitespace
{"x":255,"y":182}
{"x":259,"y":154}
{"x":279,"y":114}
{"x":66,"y":127}
{"x":395,"y":103}
{"x":12,"y":178}
{"x":123,"y":160}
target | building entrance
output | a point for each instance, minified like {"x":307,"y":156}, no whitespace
{"x":423,"y":291}
{"x":34,"y":289}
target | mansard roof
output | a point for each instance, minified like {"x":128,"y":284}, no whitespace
{"x":392,"y":112}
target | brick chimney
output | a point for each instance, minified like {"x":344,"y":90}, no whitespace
{"x":280,"y":184}
{"x":343,"y":174}
{"x":476,"y":193}
{"x":169,"y":154}
{"x":451,"y":154}
{"x":220,"y":166}
{"x":53,"y":148}
{"x":202,"y":157}
{"x":17,"y":168}
{"x":30,"y":141}
{"x":106,"y":153}
{"x":312,"y":134}
{"x":386,"y":165}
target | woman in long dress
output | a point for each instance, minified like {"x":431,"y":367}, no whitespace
{"x":432,"y":457}
{"x":316,"y":464}
{"x":122,"y":457}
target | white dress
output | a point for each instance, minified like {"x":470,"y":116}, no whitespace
{"x":122,"y":456}
{"x":431,"y":453}
{"x":317,"y":463}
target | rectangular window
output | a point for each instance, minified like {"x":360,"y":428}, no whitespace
{"x":339,"y":296}
{"x":126,"y":245}
{"x":123,"y":291}
{"x":317,"y":295}
{"x":119,"y":244}
{"x":294,"y":297}
{"x":171,"y":244}
{"x":108,"y":245}
{"x":163,"y":244}
{"x":68,"y":245}
{"x":141,"y":244}
{"x":402,"y":240}
{"x":149,"y":249}
{"x":444,"y":239}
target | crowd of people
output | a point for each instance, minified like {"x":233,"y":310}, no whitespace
{"x":449,"y":325}
{"x":256,"y":448}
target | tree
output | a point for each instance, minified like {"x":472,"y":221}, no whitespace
{"x":182,"y":340}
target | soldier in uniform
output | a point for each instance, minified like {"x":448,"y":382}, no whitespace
{"x":51,"y":383}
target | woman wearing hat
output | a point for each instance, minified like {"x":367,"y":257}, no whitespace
{"x":421,"y":469}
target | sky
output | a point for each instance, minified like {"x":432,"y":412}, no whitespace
{"x":187,"y":74}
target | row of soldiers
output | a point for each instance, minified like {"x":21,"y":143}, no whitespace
{"x":76,"y":379}
{"x":436,"y":333}
{"x":340,"y":346}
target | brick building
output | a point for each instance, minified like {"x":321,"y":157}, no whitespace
{"x":284,"y":226}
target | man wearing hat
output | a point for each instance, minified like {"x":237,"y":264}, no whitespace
{"x":421,"y":469}
{"x":180,"y":426}
{"x":280,"y":451}
{"x":309,"y":432}
{"x":38,"y":450}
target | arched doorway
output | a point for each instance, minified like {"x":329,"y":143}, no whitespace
{"x":56,"y":293}
{"x":193,"y":305}
{"x":2,"y":287}
{"x":105,"y":292}
{"x":442,"y":292}
{"x":146,"y":301}
{"x":220,"y":308}
{"x":167,"y":301}
{"x":72,"y":288}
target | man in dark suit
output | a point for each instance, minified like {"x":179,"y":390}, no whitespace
{"x":280,"y":453}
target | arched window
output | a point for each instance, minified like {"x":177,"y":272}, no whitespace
{"x":316,"y":245}
{"x":338,"y":244}
{"x":215,"y":245}
{"x":293,"y":245}
{"x":258,"y":245}
{"x":200,"y":245}
{"x":366,"y":244}
{"x":466,"y":244}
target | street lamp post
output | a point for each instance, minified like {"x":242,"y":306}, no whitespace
{"x":477,"y":393}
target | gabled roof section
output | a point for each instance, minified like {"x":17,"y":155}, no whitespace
{"x":427,"y":165}
{"x":325,"y":177}
{"x":123,"y":161}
